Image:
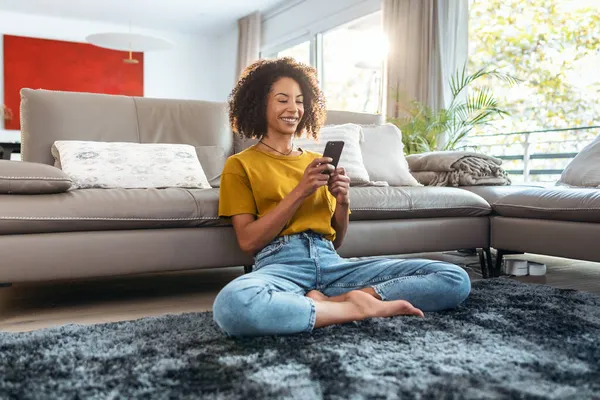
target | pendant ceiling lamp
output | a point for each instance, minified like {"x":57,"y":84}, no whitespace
{"x":129,"y":42}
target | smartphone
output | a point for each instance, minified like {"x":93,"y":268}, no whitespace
{"x":333,"y":150}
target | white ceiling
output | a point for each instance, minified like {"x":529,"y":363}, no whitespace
{"x":190,"y":16}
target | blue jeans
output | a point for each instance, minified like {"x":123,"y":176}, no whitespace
{"x":270,"y":300}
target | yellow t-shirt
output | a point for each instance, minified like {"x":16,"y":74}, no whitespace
{"x":254,"y":182}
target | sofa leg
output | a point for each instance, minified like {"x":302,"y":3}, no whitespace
{"x":500,"y":253}
{"x":488,"y":258}
{"x":485,"y":261}
{"x":247,"y":269}
{"x":483,"y":264}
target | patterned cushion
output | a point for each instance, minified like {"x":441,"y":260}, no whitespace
{"x":129,"y":165}
{"x":351,"y":158}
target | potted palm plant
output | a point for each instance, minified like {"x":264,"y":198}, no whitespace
{"x":422,"y":127}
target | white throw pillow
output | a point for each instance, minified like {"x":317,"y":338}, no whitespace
{"x":129,"y":165}
{"x":351,"y":158}
{"x":383,"y":155}
{"x":584,"y":169}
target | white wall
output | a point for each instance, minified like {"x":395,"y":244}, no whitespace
{"x":185,"y":72}
{"x":226,"y":61}
{"x":292,"y":21}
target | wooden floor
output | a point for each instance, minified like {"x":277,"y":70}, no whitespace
{"x":26,"y":307}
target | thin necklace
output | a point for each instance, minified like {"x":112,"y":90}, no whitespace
{"x":283,"y":154}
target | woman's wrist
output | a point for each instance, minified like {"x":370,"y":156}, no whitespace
{"x":298,"y":193}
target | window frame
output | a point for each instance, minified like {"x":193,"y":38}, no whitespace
{"x":271,"y":52}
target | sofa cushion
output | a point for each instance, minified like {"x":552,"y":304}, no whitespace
{"x":492,"y":194}
{"x":370,"y":203}
{"x":212,"y":159}
{"x":580,"y":205}
{"x":584,"y":169}
{"x":109,"y":209}
{"x":207,"y":206}
{"x":19,"y":177}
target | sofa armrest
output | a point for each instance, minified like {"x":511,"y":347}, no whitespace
{"x":20,"y":177}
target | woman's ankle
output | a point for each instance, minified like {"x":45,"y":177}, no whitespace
{"x":337,"y":312}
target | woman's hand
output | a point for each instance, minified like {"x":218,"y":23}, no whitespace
{"x":339,"y":186}
{"x":314,"y":178}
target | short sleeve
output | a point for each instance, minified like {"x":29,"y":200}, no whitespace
{"x":235,"y":196}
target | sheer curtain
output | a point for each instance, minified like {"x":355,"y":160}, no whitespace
{"x":452,"y":48}
{"x":249,"y":32}
{"x":428,"y":42}
{"x":408,"y":25}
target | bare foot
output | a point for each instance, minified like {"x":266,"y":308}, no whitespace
{"x":316,"y":295}
{"x":370,"y":307}
{"x":356,"y":305}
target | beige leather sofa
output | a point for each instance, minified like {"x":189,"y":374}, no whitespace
{"x":99,"y":232}
{"x":102,"y":232}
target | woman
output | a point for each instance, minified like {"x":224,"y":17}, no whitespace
{"x":292,"y":217}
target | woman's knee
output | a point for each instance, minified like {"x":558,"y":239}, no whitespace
{"x":459,"y":282}
{"x":236,"y":306}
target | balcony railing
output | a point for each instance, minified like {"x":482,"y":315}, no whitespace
{"x":535,"y":156}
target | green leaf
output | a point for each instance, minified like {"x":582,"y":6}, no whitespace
{"x":421,"y":126}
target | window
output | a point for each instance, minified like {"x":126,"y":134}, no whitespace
{"x":353,"y":57}
{"x":300,"y":52}
{"x":349,"y":60}
{"x":553,"y":46}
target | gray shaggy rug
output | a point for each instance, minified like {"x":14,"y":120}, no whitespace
{"x":509,"y":340}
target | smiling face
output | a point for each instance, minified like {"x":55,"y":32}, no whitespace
{"x":285,"y":107}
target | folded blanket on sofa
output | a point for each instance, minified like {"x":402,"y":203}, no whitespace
{"x":457,"y":168}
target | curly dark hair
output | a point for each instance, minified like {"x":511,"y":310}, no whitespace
{"x":248,"y":99}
